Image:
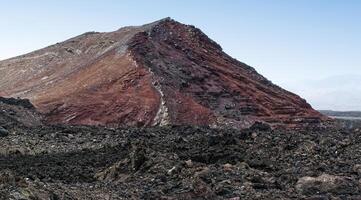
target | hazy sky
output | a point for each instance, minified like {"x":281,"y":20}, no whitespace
{"x":299,"y":45}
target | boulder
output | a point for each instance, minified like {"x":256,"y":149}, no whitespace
{"x":357,"y":169}
{"x":260,"y":126}
{"x":326,"y":184}
{"x":3,"y":132}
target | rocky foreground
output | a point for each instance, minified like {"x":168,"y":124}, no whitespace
{"x":173,"y":162}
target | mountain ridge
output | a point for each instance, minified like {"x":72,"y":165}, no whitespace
{"x":160,"y":73}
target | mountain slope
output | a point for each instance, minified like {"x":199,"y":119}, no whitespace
{"x":160,"y":73}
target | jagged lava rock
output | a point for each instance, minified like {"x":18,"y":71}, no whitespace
{"x":156,"y":74}
{"x":17,"y":113}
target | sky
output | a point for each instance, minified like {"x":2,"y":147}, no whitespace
{"x":310,"y":47}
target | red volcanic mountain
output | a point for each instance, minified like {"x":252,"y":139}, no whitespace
{"x":160,"y":73}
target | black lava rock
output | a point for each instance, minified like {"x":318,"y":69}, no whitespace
{"x":3,"y":132}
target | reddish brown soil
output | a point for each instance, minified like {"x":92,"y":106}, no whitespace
{"x":161,"y":73}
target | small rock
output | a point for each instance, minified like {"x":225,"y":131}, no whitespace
{"x":242,"y":165}
{"x":171,"y":171}
{"x":204,"y":172}
{"x":226,"y":182}
{"x":201,"y":189}
{"x":189,"y":163}
{"x":261,"y":126}
{"x":228,"y":167}
{"x":324,"y":184}
{"x":175,"y":170}
{"x":247,"y":188}
{"x":114,"y":172}
{"x":223,"y":189}
{"x":357,"y":169}
{"x":3,"y":132}
{"x":7,"y":177}
{"x":137,"y":157}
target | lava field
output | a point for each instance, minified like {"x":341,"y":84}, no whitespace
{"x":174,"y":162}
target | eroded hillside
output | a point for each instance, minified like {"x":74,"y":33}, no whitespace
{"x":156,"y":74}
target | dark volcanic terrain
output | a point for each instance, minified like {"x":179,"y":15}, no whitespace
{"x":173,"y":162}
{"x":156,"y":74}
{"x":159,"y":111}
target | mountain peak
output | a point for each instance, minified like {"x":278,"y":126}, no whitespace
{"x":160,"y":73}
{"x":167,"y":19}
